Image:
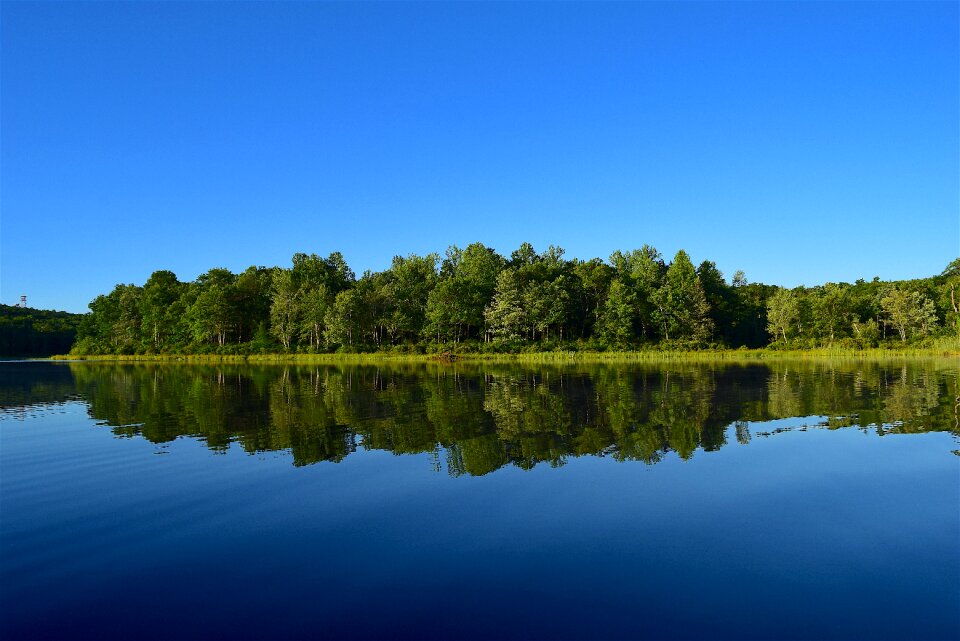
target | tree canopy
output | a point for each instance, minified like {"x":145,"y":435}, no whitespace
{"x":473,"y":298}
{"x":29,"y":332}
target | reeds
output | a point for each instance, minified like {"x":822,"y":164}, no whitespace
{"x":946,"y":349}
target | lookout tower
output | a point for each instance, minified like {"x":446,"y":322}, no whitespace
{"x":23,"y":301}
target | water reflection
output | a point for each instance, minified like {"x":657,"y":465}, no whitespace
{"x":27,"y":387}
{"x":479,"y":418}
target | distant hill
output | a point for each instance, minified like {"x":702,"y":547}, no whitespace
{"x":25,"y":331}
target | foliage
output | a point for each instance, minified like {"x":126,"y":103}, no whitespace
{"x":28,"y":332}
{"x":681,"y":303}
{"x":909,"y":312}
{"x":285,"y":310}
{"x":475,"y":300}
{"x":616,"y":322}
{"x":782,"y":313}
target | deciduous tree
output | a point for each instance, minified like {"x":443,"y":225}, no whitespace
{"x":782,"y":313}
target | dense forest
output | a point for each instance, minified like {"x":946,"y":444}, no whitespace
{"x":475,"y":299}
{"x":25,"y":331}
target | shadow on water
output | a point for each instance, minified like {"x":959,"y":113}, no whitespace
{"x":477,"y":418}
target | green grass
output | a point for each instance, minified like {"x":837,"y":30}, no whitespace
{"x":942,"y":349}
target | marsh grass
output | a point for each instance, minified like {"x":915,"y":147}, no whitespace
{"x":947,"y":348}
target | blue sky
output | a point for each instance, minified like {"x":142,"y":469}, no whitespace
{"x":802,"y":143}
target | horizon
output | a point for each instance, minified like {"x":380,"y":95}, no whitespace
{"x":800,"y":143}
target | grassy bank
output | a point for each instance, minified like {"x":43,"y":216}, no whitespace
{"x":951,"y":350}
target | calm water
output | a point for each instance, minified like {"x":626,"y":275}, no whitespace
{"x":685,"y":501}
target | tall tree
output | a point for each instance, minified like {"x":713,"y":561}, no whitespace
{"x":160,"y":293}
{"x":616,"y":319}
{"x":506,"y":316}
{"x":476,"y":278}
{"x":446,"y":315}
{"x":211,"y":314}
{"x":311,"y":271}
{"x":285,"y":310}
{"x":682,"y":304}
{"x":115,"y":324}
{"x":644,"y":270}
{"x":465,"y":287}
{"x":523,"y":256}
{"x":909,"y":312}
{"x":594,"y":277}
{"x":558,"y":308}
{"x":348,"y":319}
{"x":950,"y":295}
{"x":128,"y":327}
{"x":339,"y":274}
{"x":411,"y":279}
{"x":782,"y":313}
{"x":314,"y":305}
{"x":832,"y":310}
{"x":251,"y":296}
{"x":721,"y":300}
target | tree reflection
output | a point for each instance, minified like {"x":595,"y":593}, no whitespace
{"x":477,"y":418}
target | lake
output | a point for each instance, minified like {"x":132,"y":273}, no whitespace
{"x":787,"y":500}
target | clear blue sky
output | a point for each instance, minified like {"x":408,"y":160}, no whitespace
{"x":802,"y":143}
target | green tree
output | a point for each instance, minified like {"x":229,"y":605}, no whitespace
{"x":339,"y":274}
{"x":410,"y":281}
{"x":285,"y":309}
{"x":128,"y":326}
{"x":557,"y":308}
{"x":26,"y":331}
{"x":950,"y":295}
{"x":721,"y":300}
{"x":682,"y":304}
{"x":446,"y":315}
{"x":749,"y":312}
{"x":523,"y":256}
{"x":616,"y":319}
{"x":782,"y":313}
{"x":160,"y":293}
{"x":594,"y":277}
{"x":211,"y":314}
{"x":832,"y":310}
{"x":476,"y":279}
{"x":465,"y":287}
{"x":311,"y":272}
{"x":251,"y":296}
{"x":506,"y":316}
{"x":349,"y":320}
{"x":644,"y":271}
{"x":909,"y":312}
{"x":217,"y":276}
{"x":865,"y":333}
{"x":315,"y":304}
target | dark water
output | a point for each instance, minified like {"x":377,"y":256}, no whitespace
{"x":176,"y":502}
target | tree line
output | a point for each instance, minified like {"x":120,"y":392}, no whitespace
{"x":475,"y":299}
{"x":29,"y":332}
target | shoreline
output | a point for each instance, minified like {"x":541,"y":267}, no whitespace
{"x":730,"y":355}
